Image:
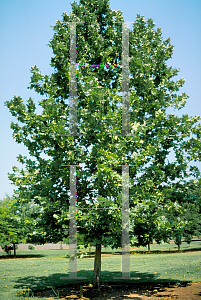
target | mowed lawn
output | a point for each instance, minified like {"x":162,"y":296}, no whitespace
{"x":43,"y":269}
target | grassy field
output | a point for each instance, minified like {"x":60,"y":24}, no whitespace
{"x":42,"y":269}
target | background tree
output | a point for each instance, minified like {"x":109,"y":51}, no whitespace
{"x":175,"y":216}
{"x":148,"y":219}
{"x":7,"y":225}
{"x":187,"y":197}
{"x":97,"y":148}
{"x":16,"y":222}
{"x":193,"y":199}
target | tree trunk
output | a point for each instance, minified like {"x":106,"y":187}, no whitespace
{"x":179,"y":248}
{"x":148,"y":247}
{"x":97,"y":268}
{"x":14,"y":248}
{"x":61,"y":245}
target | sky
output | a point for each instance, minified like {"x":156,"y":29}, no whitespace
{"x":26,"y":31}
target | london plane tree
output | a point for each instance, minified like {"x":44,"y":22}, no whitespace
{"x":101,"y":145}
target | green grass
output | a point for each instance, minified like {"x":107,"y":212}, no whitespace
{"x":44,"y":268}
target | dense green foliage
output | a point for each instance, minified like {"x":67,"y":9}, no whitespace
{"x":176,"y":216}
{"x":16,"y":222}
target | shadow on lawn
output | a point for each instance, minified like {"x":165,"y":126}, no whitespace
{"x":92,"y":253}
{"x":21,"y":256}
{"x":43,"y":286}
{"x":165,"y":251}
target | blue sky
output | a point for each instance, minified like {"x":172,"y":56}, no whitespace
{"x":25,"y":33}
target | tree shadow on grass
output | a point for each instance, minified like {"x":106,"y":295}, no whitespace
{"x":119,"y":252}
{"x":53,"y":285}
{"x":21,"y":256}
{"x":165,"y":251}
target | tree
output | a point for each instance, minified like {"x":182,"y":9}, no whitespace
{"x":7,"y":230}
{"x":174,"y":214}
{"x":148,"y":222}
{"x":193,"y":210}
{"x":163,"y":219}
{"x":169,"y":213}
{"x":187,"y":198}
{"x":16,"y":223}
{"x":101,"y":227}
{"x":98,"y":149}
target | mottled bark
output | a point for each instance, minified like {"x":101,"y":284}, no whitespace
{"x":179,"y":248}
{"x":97,"y":268}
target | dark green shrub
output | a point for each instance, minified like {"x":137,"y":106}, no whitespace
{"x":31,"y":247}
